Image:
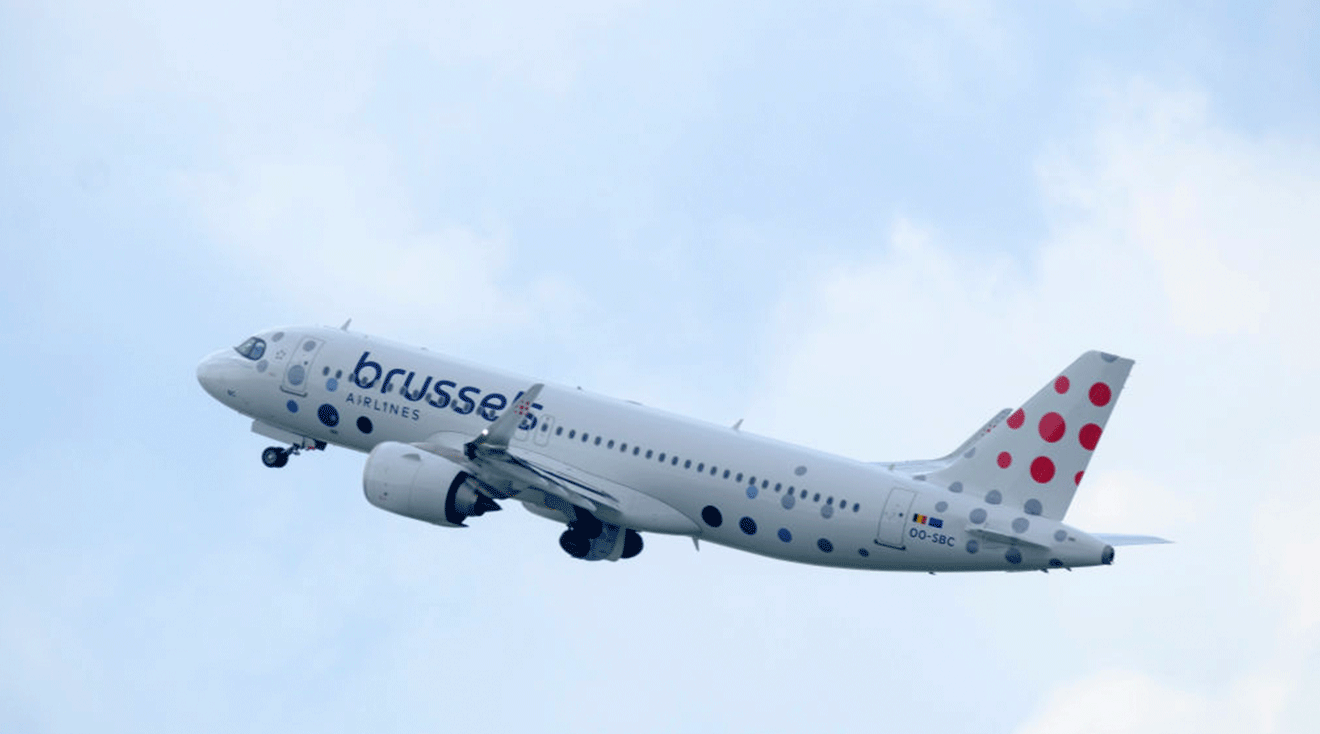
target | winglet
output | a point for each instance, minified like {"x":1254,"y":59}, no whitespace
{"x":498,"y":434}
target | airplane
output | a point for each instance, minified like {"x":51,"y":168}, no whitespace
{"x":447,"y":441}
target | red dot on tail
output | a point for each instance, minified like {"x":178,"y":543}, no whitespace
{"x":1004,"y":459}
{"x":1052,"y":427}
{"x":1078,"y":479}
{"x":1015,"y":421}
{"x":1089,"y":436}
{"x":1061,"y":385}
{"x":1100,"y":394}
{"x":1042,"y":469}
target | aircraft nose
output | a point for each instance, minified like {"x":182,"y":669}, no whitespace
{"x":212,"y":374}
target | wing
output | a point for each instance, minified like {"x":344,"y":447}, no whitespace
{"x":537,"y":479}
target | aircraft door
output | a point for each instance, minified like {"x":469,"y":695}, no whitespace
{"x":299,"y":370}
{"x":893,"y":521}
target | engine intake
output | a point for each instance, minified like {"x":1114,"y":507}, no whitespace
{"x":414,"y":483}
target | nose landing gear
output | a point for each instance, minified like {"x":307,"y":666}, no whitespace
{"x":277,"y":456}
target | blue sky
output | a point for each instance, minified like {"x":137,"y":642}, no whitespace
{"x":740,"y":210}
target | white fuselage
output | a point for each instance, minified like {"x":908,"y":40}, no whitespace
{"x":768,"y":497}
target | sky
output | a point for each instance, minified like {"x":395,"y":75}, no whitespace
{"x":862,"y":227}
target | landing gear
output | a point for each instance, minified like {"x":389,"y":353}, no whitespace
{"x":632,"y":543}
{"x":275,"y":457}
{"x":587,"y":525}
{"x":582,"y":533}
{"x":575,"y":543}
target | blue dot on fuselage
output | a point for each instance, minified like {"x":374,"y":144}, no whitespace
{"x":784,"y":535}
{"x":332,"y":384}
{"x":751,"y":492}
{"x":292,"y":406}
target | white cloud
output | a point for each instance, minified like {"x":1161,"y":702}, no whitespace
{"x":1122,"y":701}
{"x":1179,"y":243}
{"x":1225,"y":217}
{"x":342,"y":240}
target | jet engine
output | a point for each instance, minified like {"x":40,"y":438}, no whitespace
{"x":415,"y":483}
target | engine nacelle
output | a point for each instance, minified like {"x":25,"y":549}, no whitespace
{"x":414,"y":483}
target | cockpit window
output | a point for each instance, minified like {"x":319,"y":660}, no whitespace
{"x":252,"y":348}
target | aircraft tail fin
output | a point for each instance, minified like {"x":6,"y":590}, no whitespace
{"x":1036,"y":457}
{"x":980,"y":433}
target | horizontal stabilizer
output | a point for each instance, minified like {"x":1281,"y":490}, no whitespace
{"x":995,"y":536}
{"x":1119,"y":539}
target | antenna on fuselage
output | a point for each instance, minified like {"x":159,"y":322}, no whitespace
{"x":346,"y":323}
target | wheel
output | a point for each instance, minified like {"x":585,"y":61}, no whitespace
{"x":587,"y":524}
{"x":575,"y":544}
{"x":274,"y":457}
{"x":632,"y":543}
